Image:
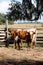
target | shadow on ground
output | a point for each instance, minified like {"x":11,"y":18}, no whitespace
{"x":23,"y":62}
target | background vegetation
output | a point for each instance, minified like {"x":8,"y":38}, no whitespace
{"x":2,"y":18}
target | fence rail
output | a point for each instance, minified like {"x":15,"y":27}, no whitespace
{"x":2,"y":35}
{"x":39,"y":38}
{"x":39,"y":35}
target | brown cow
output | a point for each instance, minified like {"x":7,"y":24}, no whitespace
{"x":33,"y":35}
{"x":16,"y":37}
{"x":24,"y":35}
{"x":21,"y":34}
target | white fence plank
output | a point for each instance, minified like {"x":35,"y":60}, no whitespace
{"x":39,"y":42}
{"x":2,"y":40}
{"x":2,"y":34}
{"x":2,"y":37}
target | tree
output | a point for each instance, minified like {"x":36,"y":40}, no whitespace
{"x":15,"y":11}
{"x":26,"y":10}
{"x":2,"y":18}
{"x":32,"y":12}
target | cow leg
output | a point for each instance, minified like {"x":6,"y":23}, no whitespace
{"x":27,"y":44}
{"x":15,"y":45}
{"x":7,"y":43}
{"x":21,"y":43}
{"x":31,"y":45}
{"x":34,"y":44}
{"x":18,"y":45}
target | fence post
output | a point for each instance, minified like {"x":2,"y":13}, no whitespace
{"x":6,"y":28}
{"x":6,"y":32}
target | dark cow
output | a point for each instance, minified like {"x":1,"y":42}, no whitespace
{"x":9,"y":40}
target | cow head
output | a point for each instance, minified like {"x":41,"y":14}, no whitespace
{"x":31,"y":34}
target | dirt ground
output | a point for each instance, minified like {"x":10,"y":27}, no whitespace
{"x":11,"y":56}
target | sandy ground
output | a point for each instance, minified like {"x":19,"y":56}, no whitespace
{"x":8,"y":55}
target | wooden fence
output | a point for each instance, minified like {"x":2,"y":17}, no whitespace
{"x":39,"y":35}
{"x":2,"y":35}
{"x":39,"y":38}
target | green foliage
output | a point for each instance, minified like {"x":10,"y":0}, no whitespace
{"x":25,"y":10}
{"x":2,"y":18}
{"x":11,"y":22}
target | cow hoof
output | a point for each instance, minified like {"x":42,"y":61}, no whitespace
{"x":15,"y":47}
{"x":21,"y":46}
{"x":18,"y":48}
